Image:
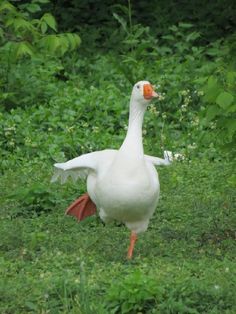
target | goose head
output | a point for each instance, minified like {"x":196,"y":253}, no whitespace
{"x":143,"y":92}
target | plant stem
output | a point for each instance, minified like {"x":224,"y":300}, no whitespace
{"x":130,"y":16}
{"x":162,"y":133}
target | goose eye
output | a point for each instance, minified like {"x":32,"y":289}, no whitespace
{"x":138,"y":86}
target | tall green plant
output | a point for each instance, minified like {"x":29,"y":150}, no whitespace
{"x":23,"y":35}
{"x":26,"y":45}
{"x":217,"y":82}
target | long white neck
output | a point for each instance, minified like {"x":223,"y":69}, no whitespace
{"x":133,"y":143}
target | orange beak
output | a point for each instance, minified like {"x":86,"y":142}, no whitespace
{"x":148,"y":91}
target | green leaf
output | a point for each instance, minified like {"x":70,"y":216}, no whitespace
{"x":24,"y":49}
{"x":168,"y":37}
{"x":185,"y":25}
{"x":73,"y":40}
{"x":50,"y":42}
{"x":211,"y":90}
{"x":232,"y":180}
{"x":232,"y":108}
{"x":19,"y":24}
{"x":50,"y":20}
{"x":33,"y":7}
{"x":173,"y":28}
{"x":231,"y":127}
{"x":30,"y":305}
{"x":121,"y":21}
{"x":43,"y":27}
{"x":64,"y":44}
{"x":193,"y":36}
{"x":212,"y":112}
{"x":7,"y":6}
{"x":224,"y":100}
{"x":231,"y":77}
{"x":201,"y":80}
{"x":213,"y":52}
{"x":1,"y":33}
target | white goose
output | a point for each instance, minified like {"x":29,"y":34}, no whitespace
{"x":122,"y":184}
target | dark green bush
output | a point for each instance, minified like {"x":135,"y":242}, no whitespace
{"x":142,"y":293}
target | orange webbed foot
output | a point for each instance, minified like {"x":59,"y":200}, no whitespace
{"x":82,"y":207}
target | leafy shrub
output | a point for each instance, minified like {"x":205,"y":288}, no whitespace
{"x":28,"y":47}
{"x":214,"y":21}
{"x":136,"y":293}
{"x":24,"y":36}
{"x":36,"y":198}
{"x":142,"y":293}
{"x":181,"y":67}
{"x":220,"y":110}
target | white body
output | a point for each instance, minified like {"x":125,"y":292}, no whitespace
{"x":125,"y":189}
{"x":122,"y":183}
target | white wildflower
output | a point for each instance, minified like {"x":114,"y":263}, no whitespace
{"x":192,"y":146}
{"x":164,"y":116}
{"x":153,"y":110}
{"x":195,"y":122}
{"x":200,"y":93}
{"x":70,"y":129}
{"x":84,"y":124}
{"x":95,"y":129}
{"x":161,"y":96}
{"x":212,"y":125}
{"x":183,"y":93}
{"x":11,"y":143}
{"x":187,"y":100}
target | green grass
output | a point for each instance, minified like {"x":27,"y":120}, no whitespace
{"x":184,"y":263}
{"x":78,"y":103}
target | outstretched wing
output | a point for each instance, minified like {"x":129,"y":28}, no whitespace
{"x":81,"y":166}
{"x":158,"y":161}
{"x":78,"y":167}
{"x":168,"y":158}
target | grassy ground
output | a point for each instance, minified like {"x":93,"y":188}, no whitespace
{"x":184,"y":263}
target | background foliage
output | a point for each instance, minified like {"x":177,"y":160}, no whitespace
{"x":66,"y":72}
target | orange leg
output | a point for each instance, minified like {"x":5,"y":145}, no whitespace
{"x":133,"y":239}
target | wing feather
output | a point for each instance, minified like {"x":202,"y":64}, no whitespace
{"x":78,"y":167}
